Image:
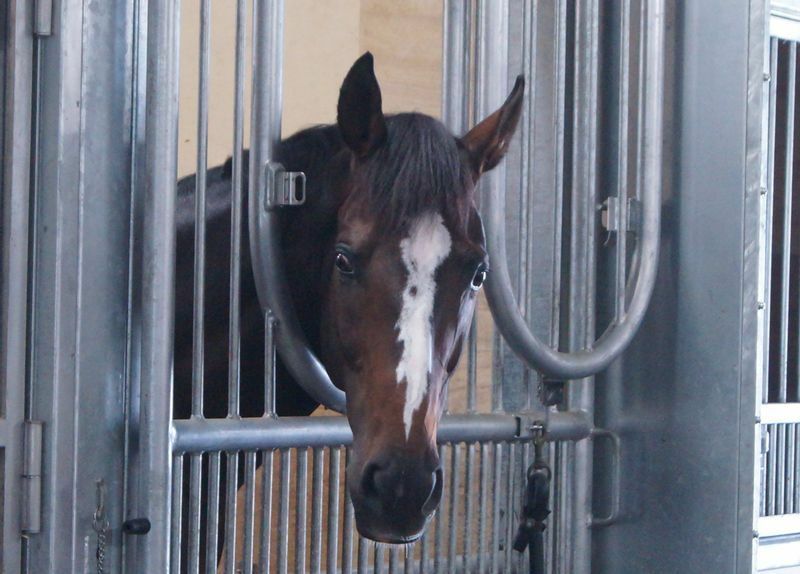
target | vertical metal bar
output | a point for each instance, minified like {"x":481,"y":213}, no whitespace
{"x":456,"y":65}
{"x":318,"y":462}
{"x":423,"y":550}
{"x":491,"y":86}
{"x":269,"y":364}
{"x":231,"y":480}
{"x":200,"y":214}
{"x":334,"y":470}
{"x":234,"y":319}
{"x":797,"y":467}
{"x":483,"y":503}
{"x":195,"y":495}
{"x":212,"y":523}
{"x":380,"y":558}
{"x":347,"y":526}
{"x":771,"y":477}
{"x":496,"y":507}
{"x":527,"y":201}
{"x":620,"y":282}
{"x":363,"y":556}
{"x":455,"y":463}
{"x":438,"y":539}
{"x":302,"y":510}
{"x":580,"y":393}
{"x":158,"y":279}
{"x":394,"y":560}
{"x":469,"y":519}
{"x":249,"y":510}
{"x":265,"y":547}
{"x":510,"y":503}
{"x":560,"y":33}
{"x":790,"y":468}
{"x":472,"y":366}
{"x":780,"y":470}
{"x":408,"y":567}
{"x":773,"y":94}
{"x":283,"y":521}
{"x":177,"y":512}
{"x":787,"y":222}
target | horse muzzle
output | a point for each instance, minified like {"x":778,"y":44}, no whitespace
{"x":394,"y":495}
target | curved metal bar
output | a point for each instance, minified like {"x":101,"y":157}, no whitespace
{"x":510,"y":322}
{"x":267,"y":261}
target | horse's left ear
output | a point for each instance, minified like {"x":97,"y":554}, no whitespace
{"x":488,"y":142}
{"x":359,"y":113}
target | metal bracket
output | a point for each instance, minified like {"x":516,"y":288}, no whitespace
{"x":616,"y":485}
{"x":283,"y":188}
{"x":31,"y":522}
{"x":611,"y":215}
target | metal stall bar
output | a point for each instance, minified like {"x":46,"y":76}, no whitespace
{"x":456,"y":65}
{"x":234,"y":316}
{"x":14,"y":228}
{"x":158,"y":273}
{"x":508,"y":319}
{"x":787,"y":223}
{"x":202,"y":435}
{"x":198,"y":330}
{"x":576,"y":469}
{"x":271,"y":283}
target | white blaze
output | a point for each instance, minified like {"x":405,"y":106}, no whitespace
{"x":427,"y":245}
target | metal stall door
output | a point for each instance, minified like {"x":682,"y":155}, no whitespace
{"x":579,"y":200}
{"x":69,"y":182}
{"x":304,"y":521}
{"x":778,"y":514}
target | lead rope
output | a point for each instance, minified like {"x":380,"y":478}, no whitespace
{"x":100,"y":526}
{"x":535,"y":510}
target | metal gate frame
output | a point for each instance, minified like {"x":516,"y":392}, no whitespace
{"x":15,"y":18}
{"x":160,"y":438}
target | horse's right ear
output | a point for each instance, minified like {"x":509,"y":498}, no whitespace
{"x":359,"y":112}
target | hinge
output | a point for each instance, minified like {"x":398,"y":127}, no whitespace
{"x":764,"y":440}
{"x":43,"y":18}
{"x":284,"y":188}
{"x":32,"y":478}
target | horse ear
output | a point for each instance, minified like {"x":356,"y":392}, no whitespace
{"x":359,"y":112}
{"x":488,"y":142}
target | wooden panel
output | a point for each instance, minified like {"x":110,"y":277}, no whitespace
{"x":406,"y":40}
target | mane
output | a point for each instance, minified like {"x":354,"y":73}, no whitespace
{"x":417,"y":169}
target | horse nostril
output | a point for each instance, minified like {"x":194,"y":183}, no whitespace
{"x":368,"y":484}
{"x":436,"y":493}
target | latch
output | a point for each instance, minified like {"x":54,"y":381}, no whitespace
{"x":31,"y":522}
{"x":611,"y":215}
{"x":284,"y":188}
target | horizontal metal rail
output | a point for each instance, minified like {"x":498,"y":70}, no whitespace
{"x":510,"y":322}
{"x":778,"y":413}
{"x":207,"y":435}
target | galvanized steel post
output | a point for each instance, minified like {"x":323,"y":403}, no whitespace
{"x":158,"y":270}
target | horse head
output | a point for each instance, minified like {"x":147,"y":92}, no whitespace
{"x":408,"y":262}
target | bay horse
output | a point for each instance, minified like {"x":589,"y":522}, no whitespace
{"x":384,"y":262}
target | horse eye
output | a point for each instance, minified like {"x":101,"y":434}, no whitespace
{"x":344,"y":265}
{"x":479,"y":278}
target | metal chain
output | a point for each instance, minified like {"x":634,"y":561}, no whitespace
{"x":100,"y":526}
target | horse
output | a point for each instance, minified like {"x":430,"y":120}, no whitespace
{"x":384,"y":261}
